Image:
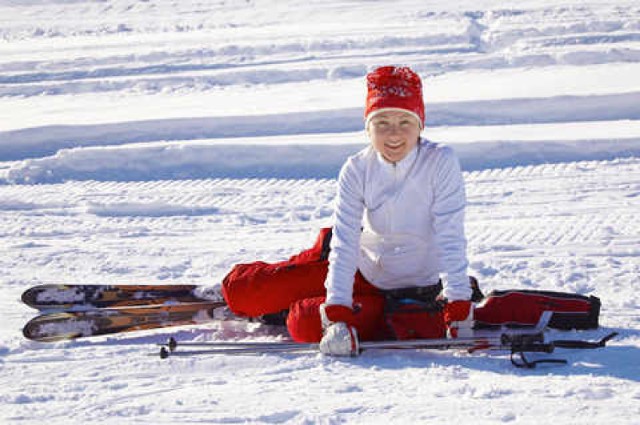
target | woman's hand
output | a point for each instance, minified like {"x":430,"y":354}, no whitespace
{"x":340,"y":337}
{"x":458,"y":316}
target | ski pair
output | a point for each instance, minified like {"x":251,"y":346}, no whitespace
{"x":75,"y":311}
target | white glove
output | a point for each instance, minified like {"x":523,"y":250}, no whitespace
{"x":339,"y":338}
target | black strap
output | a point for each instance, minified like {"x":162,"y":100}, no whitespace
{"x":525,"y":363}
{"x":424,"y":295}
{"x":430,"y":293}
{"x":476,"y":293}
{"x":518,"y":348}
{"x":326,"y":246}
{"x":584,"y":344}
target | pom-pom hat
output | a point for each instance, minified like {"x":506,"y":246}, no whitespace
{"x":394,"y":88}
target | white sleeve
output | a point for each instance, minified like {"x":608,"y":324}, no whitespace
{"x":448,"y":210}
{"x":345,"y":241}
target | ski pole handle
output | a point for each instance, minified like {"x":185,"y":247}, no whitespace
{"x":584,"y":344}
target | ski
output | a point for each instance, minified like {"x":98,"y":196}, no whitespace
{"x":67,"y":297}
{"x":57,"y":326}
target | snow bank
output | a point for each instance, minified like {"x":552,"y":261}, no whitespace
{"x":317,"y":156}
{"x":46,"y":140}
{"x":183,"y":161}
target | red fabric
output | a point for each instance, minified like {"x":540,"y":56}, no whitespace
{"x":362,"y":287}
{"x":339,"y":313}
{"x":304,"y":323}
{"x":394,"y":87}
{"x":261,"y":288}
{"x":456,"y":311}
{"x":525,"y":308}
{"x":409,"y":323}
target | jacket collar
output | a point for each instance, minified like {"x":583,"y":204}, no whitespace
{"x":404,"y":164}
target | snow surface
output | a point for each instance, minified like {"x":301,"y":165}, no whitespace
{"x":164,"y":141}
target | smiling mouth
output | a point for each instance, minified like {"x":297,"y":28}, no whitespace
{"x":394,"y":146}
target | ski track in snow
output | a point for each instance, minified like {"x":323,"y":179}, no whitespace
{"x":213,"y":52}
{"x":163,"y":142}
{"x":132,"y":72}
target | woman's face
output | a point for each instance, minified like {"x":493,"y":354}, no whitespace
{"x":393,"y":134}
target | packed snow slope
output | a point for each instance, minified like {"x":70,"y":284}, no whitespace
{"x":164,"y":141}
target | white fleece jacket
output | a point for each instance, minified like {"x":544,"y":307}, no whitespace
{"x":401,"y":224}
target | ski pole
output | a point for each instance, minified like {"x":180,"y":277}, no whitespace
{"x":172,"y":344}
{"x":480,"y":339}
{"x":164,"y":352}
{"x":170,"y":349}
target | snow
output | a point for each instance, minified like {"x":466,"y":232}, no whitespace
{"x":164,"y":142}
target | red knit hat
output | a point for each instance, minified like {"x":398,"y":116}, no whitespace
{"x":393,"y":87}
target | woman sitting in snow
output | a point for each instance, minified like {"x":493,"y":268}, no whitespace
{"x":397,"y":234}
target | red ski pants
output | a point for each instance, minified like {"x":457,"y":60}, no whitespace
{"x":297,"y":285}
{"x":259,"y":288}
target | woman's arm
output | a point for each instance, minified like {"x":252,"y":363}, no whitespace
{"x":448,"y":223}
{"x":345,"y":242}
